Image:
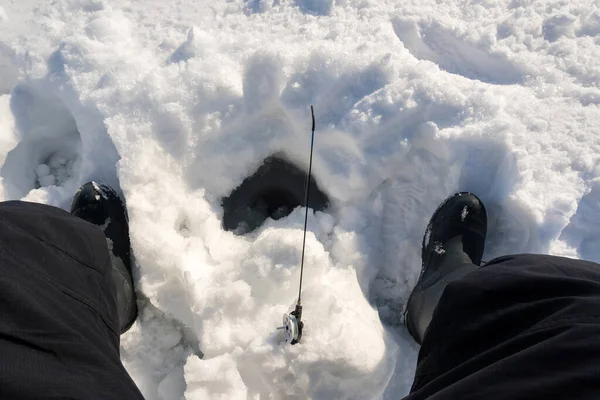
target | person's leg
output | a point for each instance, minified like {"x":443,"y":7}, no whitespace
{"x":99,"y":204}
{"x":59,"y":329}
{"x":521,"y":327}
{"x":452,"y":247}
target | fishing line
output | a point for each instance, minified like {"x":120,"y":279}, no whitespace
{"x":292,"y":322}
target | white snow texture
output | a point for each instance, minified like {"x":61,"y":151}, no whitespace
{"x":175,"y":103}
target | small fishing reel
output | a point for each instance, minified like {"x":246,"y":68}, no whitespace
{"x":293,"y":325}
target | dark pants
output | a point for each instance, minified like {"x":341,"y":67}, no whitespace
{"x":522,"y":327}
{"x":59,"y":337}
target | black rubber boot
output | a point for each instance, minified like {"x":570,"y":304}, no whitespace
{"x":452,"y":247}
{"x":99,"y":204}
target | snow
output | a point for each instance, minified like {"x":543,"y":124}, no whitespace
{"x":464,"y":213}
{"x":3,"y":15}
{"x":438,"y":247}
{"x":427,"y":235}
{"x":175,"y":103}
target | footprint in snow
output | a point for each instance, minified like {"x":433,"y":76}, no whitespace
{"x":439,"y":45}
{"x":49,"y":144}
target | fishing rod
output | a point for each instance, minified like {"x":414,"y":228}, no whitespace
{"x":292,"y":322}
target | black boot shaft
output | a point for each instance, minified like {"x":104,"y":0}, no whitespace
{"x":452,"y":247}
{"x":99,"y":204}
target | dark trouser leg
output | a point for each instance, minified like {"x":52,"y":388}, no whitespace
{"x":59,"y":335}
{"x":522,"y":327}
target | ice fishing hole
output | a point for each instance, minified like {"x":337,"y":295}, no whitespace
{"x":272,"y":191}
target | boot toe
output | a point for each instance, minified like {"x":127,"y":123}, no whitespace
{"x":458,"y":213}
{"x":461,"y":207}
{"x":462,"y":214}
{"x":85,"y":196}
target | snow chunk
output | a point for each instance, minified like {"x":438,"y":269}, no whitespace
{"x":192,"y":46}
{"x":438,"y":248}
{"x":216,"y":378}
{"x":98,"y":189}
{"x":464,"y":214}
{"x":42,"y":170}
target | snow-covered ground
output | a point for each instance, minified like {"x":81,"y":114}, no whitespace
{"x":174,"y":103}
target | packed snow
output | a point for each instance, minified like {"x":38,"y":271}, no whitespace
{"x":175,"y":103}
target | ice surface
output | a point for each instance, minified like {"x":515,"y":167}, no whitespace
{"x":175,"y":103}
